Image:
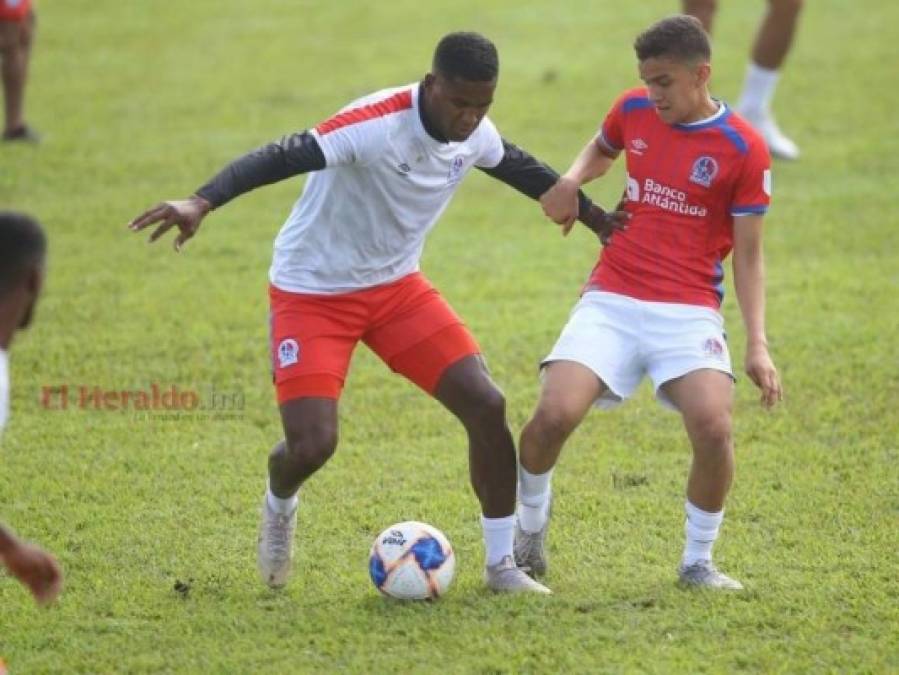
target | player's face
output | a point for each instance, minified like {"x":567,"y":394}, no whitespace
{"x":456,"y":107}
{"x":677,"y":89}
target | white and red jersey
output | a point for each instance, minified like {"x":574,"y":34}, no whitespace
{"x":685,"y":184}
{"x":362,"y":221}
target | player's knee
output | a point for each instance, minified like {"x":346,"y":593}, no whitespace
{"x":713,"y":432}
{"x":311,"y":445}
{"x":487,"y":406}
{"x":551,"y":425}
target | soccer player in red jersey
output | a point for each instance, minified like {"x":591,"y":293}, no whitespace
{"x":16,"y":35}
{"x":345,"y":270}
{"x":22,"y":252}
{"x":769,"y":50}
{"x":698,"y":185}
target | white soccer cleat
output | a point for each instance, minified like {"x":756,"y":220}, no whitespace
{"x":507,"y":577}
{"x":703,"y":574}
{"x":530,"y":547}
{"x":275,"y":550}
{"x":778,"y":144}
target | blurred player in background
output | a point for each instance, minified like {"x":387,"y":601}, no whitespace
{"x":346,"y":269}
{"x":697,"y":186}
{"x":16,"y":35}
{"x":22,"y":252}
{"x":772,"y":44}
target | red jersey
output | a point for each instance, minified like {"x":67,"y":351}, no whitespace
{"x":685,"y":183}
{"x":14,"y":10}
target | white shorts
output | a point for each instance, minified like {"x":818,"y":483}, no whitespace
{"x":622,"y":339}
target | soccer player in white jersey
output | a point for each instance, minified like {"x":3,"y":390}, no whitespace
{"x":346,"y":269}
{"x":22,"y":251}
{"x":697,"y":185}
{"x":770,"y":47}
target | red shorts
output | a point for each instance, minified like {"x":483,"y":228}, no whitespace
{"x":407,"y":323}
{"x":14,"y":10}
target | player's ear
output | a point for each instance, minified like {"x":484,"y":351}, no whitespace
{"x":429,"y":80}
{"x":703,"y":73}
{"x":34,"y":281}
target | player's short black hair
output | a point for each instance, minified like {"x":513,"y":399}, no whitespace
{"x":466,"y":56}
{"x":22,"y":246}
{"x":680,"y":37}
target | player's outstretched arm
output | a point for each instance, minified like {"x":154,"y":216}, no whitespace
{"x":290,"y":156}
{"x":31,"y":565}
{"x":559,"y":203}
{"x":531,"y":177}
{"x":749,"y":283}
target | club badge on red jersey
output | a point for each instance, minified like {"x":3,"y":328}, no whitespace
{"x":704,"y":170}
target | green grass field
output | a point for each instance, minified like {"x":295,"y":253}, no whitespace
{"x":143,"y":101}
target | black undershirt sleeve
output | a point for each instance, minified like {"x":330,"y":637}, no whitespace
{"x":525,"y":173}
{"x":290,"y":156}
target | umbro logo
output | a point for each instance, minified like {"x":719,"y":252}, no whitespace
{"x":403,"y":168}
{"x":638,"y":145}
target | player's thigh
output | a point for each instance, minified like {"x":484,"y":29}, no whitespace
{"x":310,"y":424}
{"x":701,"y":392}
{"x":679,"y":340}
{"x":419,"y":336}
{"x":694,"y":7}
{"x":786,"y":7}
{"x":602,"y":334}
{"x":9,"y":37}
{"x":26,"y":33}
{"x":312,"y":339}
{"x":567,"y":393}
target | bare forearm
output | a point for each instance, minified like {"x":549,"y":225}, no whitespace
{"x":591,"y":163}
{"x":749,"y":283}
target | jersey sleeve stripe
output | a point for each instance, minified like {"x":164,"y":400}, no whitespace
{"x":734,"y":137}
{"x":753,"y":209}
{"x":605,"y":144}
{"x":636,"y":103}
{"x":396,"y":103}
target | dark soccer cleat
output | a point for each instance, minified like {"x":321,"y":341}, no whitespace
{"x":24,"y":134}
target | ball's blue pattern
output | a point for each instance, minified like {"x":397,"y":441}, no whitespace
{"x":376,"y":570}
{"x":428,"y":553}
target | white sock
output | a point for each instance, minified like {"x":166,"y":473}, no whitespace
{"x":533,"y":497}
{"x":701,"y":528}
{"x":758,"y":90}
{"x":498,"y":536}
{"x":282,"y":506}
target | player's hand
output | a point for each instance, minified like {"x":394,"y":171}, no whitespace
{"x":560,"y":203}
{"x":607,"y":224}
{"x":760,"y":369}
{"x":185,"y":214}
{"x":35,"y":568}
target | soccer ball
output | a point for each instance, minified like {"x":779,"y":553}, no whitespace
{"x":412,"y":561}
